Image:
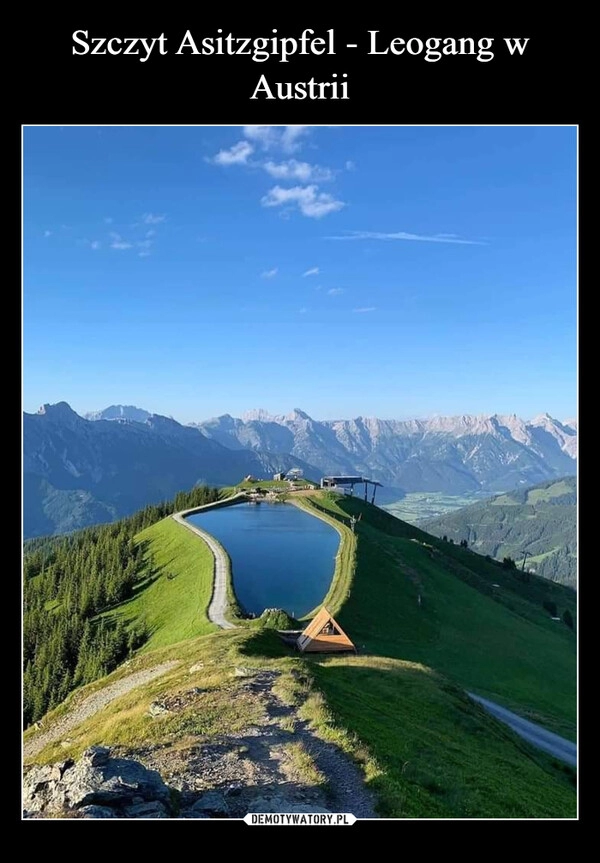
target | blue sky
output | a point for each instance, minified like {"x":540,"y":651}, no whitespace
{"x":375,"y":271}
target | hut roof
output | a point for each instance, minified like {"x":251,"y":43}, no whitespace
{"x":324,"y":635}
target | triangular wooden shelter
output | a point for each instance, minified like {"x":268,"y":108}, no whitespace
{"x":324,"y":635}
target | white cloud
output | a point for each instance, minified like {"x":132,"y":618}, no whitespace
{"x":47,"y":233}
{"x":308,"y":199}
{"x":290,"y":137}
{"x":294,"y":170}
{"x":266,"y":136}
{"x":151,"y":219}
{"x":118,"y":242}
{"x":334,"y":292}
{"x":365,"y":309}
{"x":286,"y":138}
{"x":403,"y":235}
{"x":236,"y":155}
{"x":350,"y":165}
{"x":314,"y":271}
{"x":151,"y":233}
{"x":269,"y":274}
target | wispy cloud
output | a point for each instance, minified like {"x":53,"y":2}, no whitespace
{"x":151,"y":233}
{"x":286,"y":138}
{"x":152,"y":219}
{"x":108,"y":220}
{"x":335,"y":292}
{"x":143,"y":254}
{"x":276,"y":140}
{"x":236,"y":155}
{"x":269,"y":274}
{"x":47,"y":233}
{"x":308,"y":199}
{"x":350,"y":165}
{"x":294,"y":170}
{"x":118,"y":242}
{"x":303,"y":310}
{"x":404,"y":235}
{"x":314,"y":271}
{"x":364,"y":309}
{"x":95,"y":245}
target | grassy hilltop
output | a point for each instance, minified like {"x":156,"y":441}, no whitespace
{"x":398,"y":708}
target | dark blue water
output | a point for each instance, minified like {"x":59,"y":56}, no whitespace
{"x":281,"y":557}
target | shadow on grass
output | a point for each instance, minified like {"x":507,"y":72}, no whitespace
{"x":439,"y":755}
{"x":266,"y":642}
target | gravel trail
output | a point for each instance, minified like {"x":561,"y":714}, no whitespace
{"x":348,"y":790}
{"x":91,"y":705}
{"x":218,"y":602}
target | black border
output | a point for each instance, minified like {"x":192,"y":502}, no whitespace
{"x":546,"y":86}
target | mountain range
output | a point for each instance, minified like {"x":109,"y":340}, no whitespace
{"x":80,"y":471}
{"x":453,"y":455}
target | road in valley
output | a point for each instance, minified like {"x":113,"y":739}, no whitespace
{"x":557,"y":746}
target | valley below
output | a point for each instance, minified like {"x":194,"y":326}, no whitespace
{"x":419,"y":506}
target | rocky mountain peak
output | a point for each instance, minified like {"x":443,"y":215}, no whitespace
{"x":296,"y":415}
{"x":258,"y":415}
{"x":119,"y":412}
{"x":59,"y":412}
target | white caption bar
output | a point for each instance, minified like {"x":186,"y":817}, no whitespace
{"x":330,"y":819}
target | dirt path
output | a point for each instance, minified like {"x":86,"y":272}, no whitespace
{"x":347,"y":788}
{"x":91,"y":705}
{"x":256,"y":764}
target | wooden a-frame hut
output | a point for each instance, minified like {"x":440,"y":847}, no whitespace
{"x":324,"y":635}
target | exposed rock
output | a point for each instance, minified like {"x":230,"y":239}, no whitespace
{"x":96,"y":755}
{"x":197,"y":667}
{"x":96,"y":779}
{"x":282,"y":804}
{"x":212,"y":803}
{"x":157,"y":709}
{"x":151,"y":809}
{"x":97,"y":812}
{"x":243,"y":672}
{"x":175,"y":703}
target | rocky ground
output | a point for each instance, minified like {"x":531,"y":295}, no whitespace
{"x":276,"y":766}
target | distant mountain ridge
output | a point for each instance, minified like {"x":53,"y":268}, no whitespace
{"x":540,"y":521}
{"x":79,"y":472}
{"x":119,"y":412}
{"x":447,"y":454}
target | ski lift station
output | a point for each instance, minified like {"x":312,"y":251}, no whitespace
{"x":342,"y":483}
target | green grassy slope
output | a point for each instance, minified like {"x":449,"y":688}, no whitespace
{"x":174,"y":608}
{"x":425,"y":749}
{"x":498,"y":642}
{"x":399,"y":709}
{"x":541,"y":521}
{"x":439,"y":755}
